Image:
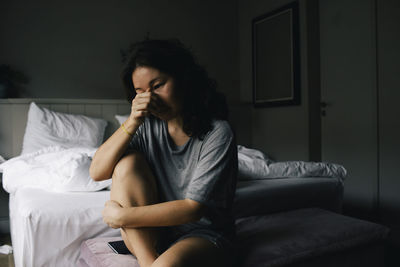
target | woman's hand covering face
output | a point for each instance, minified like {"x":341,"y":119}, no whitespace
{"x":149,"y":103}
{"x":155,"y":94}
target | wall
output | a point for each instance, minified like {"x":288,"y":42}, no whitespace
{"x":71,"y":49}
{"x":281,"y":132}
{"x":388,"y":120}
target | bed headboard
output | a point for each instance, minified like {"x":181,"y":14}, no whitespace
{"x":13,"y":116}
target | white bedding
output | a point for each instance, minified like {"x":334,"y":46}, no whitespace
{"x":54,"y":168}
{"x":255,"y":165}
{"x":62,"y":169}
{"x":47,"y":228}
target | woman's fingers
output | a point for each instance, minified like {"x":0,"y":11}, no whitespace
{"x":142,"y":101}
{"x":112,"y":203}
{"x":145,"y":95}
{"x":141,"y":110}
{"x":148,"y":102}
{"x":142,"y":106}
{"x":149,"y":98}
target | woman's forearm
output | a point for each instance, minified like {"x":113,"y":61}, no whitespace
{"x":108,"y":154}
{"x":162,"y":214}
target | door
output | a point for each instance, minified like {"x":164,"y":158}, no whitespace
{"x":348,"y":99}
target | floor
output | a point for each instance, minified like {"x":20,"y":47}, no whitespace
{"x":6,"y":260}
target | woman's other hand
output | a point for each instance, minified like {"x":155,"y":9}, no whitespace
{"x":112,"y":214}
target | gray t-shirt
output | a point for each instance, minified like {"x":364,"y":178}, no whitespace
{"x":201,"y":170}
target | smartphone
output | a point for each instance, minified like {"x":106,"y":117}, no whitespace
{"x":119,"y":247}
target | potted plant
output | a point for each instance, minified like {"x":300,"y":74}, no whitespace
{"x":11,"y":81}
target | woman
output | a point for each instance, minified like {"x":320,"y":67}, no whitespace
{"x":173,"y":162}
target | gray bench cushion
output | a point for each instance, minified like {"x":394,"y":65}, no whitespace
{"x":259,"y":197}
{"x":287,"y":237}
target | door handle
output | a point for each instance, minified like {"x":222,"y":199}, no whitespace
{"x":323,"y":105}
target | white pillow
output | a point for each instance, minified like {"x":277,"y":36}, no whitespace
{"x":49,"y":128}
{"x":121,"y":118}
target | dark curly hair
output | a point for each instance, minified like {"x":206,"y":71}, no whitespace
{"x":201,"y":103}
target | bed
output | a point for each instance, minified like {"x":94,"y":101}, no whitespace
{"x":50,"y":216}
{"x":47,"y":228}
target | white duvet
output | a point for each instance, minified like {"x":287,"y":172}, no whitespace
{"x":53,"y":168}
{"x":253,"y":164}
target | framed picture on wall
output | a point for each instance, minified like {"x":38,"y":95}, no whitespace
{"x":276,"y":57}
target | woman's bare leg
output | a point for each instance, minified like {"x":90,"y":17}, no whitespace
{"x":133,"y":184}
{"x":192,"y":252}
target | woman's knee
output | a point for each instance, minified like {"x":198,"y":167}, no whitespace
{"x":132,"y":174}
{"x":132,"y":162}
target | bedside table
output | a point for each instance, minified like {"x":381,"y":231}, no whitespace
{"x":4,"y":214}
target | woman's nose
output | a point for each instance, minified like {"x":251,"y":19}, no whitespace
{"x":148,"y":89}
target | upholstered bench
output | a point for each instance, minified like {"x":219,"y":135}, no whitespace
{"x":303,"y":237}
{"x":96,"y":253}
